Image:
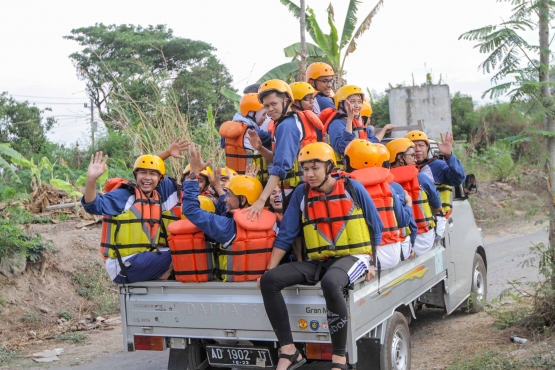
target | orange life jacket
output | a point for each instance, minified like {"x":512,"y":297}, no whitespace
{"x":407,"y":177}
{"x":327,"y":116}
{"x":247,"y":257}
{"x":135,"y":230}
{"x":375,"y":181}
{"x":192,"y":255}
{"x":237,"y":156}
{"x":170,"y":215}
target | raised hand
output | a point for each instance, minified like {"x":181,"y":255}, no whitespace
{"x":254,"y":139}
{"x":446,"y":145}
{"x":195,"y":159}
{"x":97,"y":166}
{"x":216,"y":175}
{"x":252,"y":170}
{"x":389,"y":126}
{"x":177,"y":147}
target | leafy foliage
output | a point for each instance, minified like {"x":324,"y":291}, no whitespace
{"x":16,"y":241}
{"x":8,"y":152}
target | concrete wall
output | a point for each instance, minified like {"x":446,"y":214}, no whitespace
{"x":430,"y":105}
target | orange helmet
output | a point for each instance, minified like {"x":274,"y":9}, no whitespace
{"x":398,"y":146}
{"x":249,"y":103}
{"x":274,"y":85}
{"x":318,"y":151}
{"x":317,"y":70}
{"x":249,"y":187}
{"x":301,"y":89}
{"x":383,"y":153}
{"x":362,"y":154}
{"x":366,"y":110}
{"x":418,"y":136}
{"x":346,"y":91}
{"x":150,"y":162}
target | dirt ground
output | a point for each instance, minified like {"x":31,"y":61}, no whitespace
{"x":32,"y":301}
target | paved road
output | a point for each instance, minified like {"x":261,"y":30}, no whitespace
{"x":504,"y":255}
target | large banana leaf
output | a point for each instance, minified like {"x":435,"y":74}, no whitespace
{"x":9,"y":152}
{"x":350,"y":23}
{"x":231,"y":95}
{"x":311,"y":50}
{"x":321,"y":39}
{"x":365,"y":25}
{"x":333,"y":38}
{"x":280,"y":72}
{"x":9,"y":170}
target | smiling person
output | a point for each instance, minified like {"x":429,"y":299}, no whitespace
{"x":132,"y":217}
{"x":425,"y":198}
{"x":321,"y":77}
{"x":245,"y":245}
{"x":342,"y":127}
{"x":290,"y":133}
{"x":339,"y":251}
{"x":445,"y":173}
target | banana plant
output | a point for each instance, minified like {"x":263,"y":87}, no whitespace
{"x":68,"y":188}
{"x":36,"y":169}
{"x":331,"y":47}
{"x":100,"y":182}
{"x":7,"y":152}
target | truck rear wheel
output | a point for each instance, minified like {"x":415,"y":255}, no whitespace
{"x":479,"y":287}
{"x":396,"y":350}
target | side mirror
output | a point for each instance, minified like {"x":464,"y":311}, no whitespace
{"x":470,"y":186}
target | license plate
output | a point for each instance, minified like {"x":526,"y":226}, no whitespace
{"x":244,"y":357}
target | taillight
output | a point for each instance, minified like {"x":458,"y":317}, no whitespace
{"x":316,"y":351}
{"x":147,"y":343}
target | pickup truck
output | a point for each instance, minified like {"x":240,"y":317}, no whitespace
{"x":217,"y":325}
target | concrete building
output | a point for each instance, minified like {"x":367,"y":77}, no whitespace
{"x":428,"y":105}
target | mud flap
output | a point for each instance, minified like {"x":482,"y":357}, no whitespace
{"x":368,"y":353}
{"x":178,"y":359}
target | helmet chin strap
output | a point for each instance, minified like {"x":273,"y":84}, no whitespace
{"x":283,"y":109}
{"x":328,"y":173}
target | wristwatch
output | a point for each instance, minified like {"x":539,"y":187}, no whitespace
{"x":193,"y":176}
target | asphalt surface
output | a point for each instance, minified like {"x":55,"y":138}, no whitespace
{"x":506,"y":264}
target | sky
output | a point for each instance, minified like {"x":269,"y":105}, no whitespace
{"x":406,"y":38}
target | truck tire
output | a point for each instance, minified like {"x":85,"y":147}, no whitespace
{"x":479,"y":287}
{"x":396,"y":350}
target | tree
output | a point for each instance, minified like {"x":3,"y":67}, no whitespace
{"x":22,"y":125}
{"x":330,"y":47}
{"x":522,"y":72}
{"x":134,"y":62}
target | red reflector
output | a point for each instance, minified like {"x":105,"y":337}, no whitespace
{"x":315,"y":351}
{"x":147,"y":343}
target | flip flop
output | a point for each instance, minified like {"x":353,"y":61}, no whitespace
{"x":341,"y":366}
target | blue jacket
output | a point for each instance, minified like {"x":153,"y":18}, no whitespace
{"x":430,"y":188}
{"x":292,"y":219}
{"x":219,"y":228}
{"x":449,"y":171}
{"x":288,"y":142}
{"x":371,"y":137}
{"x":119,"y":200}
{"x":324,"y":101}
{"x":339,"y":138}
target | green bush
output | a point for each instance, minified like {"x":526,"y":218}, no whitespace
{"x":74,"y":337}
{"x":65,"y":315}
{"x":16,"y":241}
{"x":6,"y":356}
{"x":494,"y":162}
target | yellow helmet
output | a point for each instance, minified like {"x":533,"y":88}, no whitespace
{"x":206,"y":203}
{"x":301,"y":89}
{"x":346,"y":91}
{"x":418,"y":136}
{"x":317,"y":152}
{"x":225,"y":174}
{"x":317,"y":70}
{"x":206,"y":172}
{"x":274,"y":85}
{"x":362,"y":154}
{"x":150,"y":162}
{"x":398,"y":146}
{"x":366,"y":110}
{"x":383,"y":153}
{"x":249,"y":103}
{"x":249,"y":187}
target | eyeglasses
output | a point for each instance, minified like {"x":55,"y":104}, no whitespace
{"x":308,"y":98}
{"x":413,"y":155}
{"x":330,"y":81}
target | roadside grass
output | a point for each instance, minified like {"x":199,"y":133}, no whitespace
{"x":74,"y":337}
{"x":65,"y":315}
{"x":93,"y":283}
{"x":494,"y":360}
{"x":31,"y":318}
{"x":7,"y":356}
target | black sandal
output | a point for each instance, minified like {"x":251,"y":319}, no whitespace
{"x":341,"y":366}
{"x":295,"y":363}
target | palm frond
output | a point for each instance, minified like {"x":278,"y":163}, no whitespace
{"x":230,"y":94}
{"x":478,"y":34}
{"x":365,"y":25}
{"x":280,"y":72}
{"x":311,"y":50}
{"x":9,"y":170}
{"x":6,"y":150}
{"x":296,"y":10}
{"x":321,"y":39}
{"x":333,"y":38}
{"x":350,"y":23}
